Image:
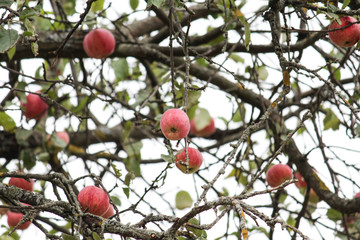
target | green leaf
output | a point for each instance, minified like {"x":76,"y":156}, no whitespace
{"x":132,"y":162}
{"x":98,"y":5}
{"x":345,"y":3}
{"x":127,"y":192}
{"x":8,"y":39}
{"x":202,"y":118}
{"x":5,"y":237}
{"x":334,"y":215}
{"x":134,"y":4}
{"x":116,"y":170}
{"x":198,"y":232}
{"x":58,"y":142}
{"x":7,"y":122}
{"x":337,"y":74}
{"x":28,"y":157}
{"x":6,"y":3}
{"x":247,"y":30}
{"x":263,"y":73}
{"x":168,"y":158}
{"x":115,"y":200}
{"x":127,"y":130}
{"x":11,"y":52}
{"x":22,"y":136}
{"x":282,"y":197}
{"x":94,"y":234}
{"x":193,"y":98}
{"x":331,"y":120}
{"x":157,"y":3}
{"x":121,"y":69}
{"x":183,"y":200}
{"x":291,"y":221}
{"x":30,"y":12}
{"x":236,"y":58}
{"x":129,"y":176}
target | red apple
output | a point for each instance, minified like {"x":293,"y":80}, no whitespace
{"x":99,"y":43}
{"x":22,"y":183}
{"x":175,"y":124}
{"x":195,"y":160}
{"x":35,"y":106}
{"x":301,"y":182}
{"x":313,"y":197}
{"x":109,"y":212}
{"x":94,"y":199}
{"x":277,"y":174}
{"x":346,"y":37}
{"x":357,"y":195}
{"x":13,"y":218}
{"x":207,"y":131}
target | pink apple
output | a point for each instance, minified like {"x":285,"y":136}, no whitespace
{"x":63,"y":136}
{"x":207,"y":131}
{"x":94,"y":199}
{"x":346,"y":37}
{"x":22,"y":183}
{"x":99,"y":43}
{"x":175,"y":124}
{"x":195,"y":160}
{"x":35,"y":107}
{"x":301,"y":182}
{"x":109,"y":212}
{"x":13,"y":218}
{"x":277,"y":174}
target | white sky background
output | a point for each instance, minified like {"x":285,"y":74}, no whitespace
{"x":213,"y":101}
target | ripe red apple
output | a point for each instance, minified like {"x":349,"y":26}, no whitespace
{"x":94,"y":199}
{"x":346,"y":37}
{"x":277,"y":174}
{"x":301,"y":182}
{"x":99,"y":43}
{"x":22,"y":183}
{"x":195,"y":160}
{"x":207,"y":131}
{"x":13,"y":218}
{"x":109,"y":212}
{"x":175,"y":124}
{"x":35,"y":107}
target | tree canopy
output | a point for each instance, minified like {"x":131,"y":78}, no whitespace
{"x":265,"y":73}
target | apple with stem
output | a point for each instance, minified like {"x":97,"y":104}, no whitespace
{"x":195,"y":160}
{"x":206,"y":131}
{"x":99,"y":43}
{"x":13,"y":218}
{"x":35,"y":107}
{"x":175,"y":124}
{"x":93,"y":199}
{"x":278,"y":174}
{"x":22,"y":183}
{"x":346,"y":37}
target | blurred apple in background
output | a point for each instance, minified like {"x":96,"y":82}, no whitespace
{"x":35,"y":107}
{"x":22,"y":183}
{"x":202,"y":124}
{"x":13,"y":218}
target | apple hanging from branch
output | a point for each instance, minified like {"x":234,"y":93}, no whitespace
{"x":99,"y":43}
{"x":278,"y":174}
{"x":93,"y":199}
{"x":175,"y":124}
{"x":35,"y":107}
{"x":346,"y":37}
{"x":195,"y":160}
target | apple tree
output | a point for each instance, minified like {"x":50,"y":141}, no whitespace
{"x":262,"y":83}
